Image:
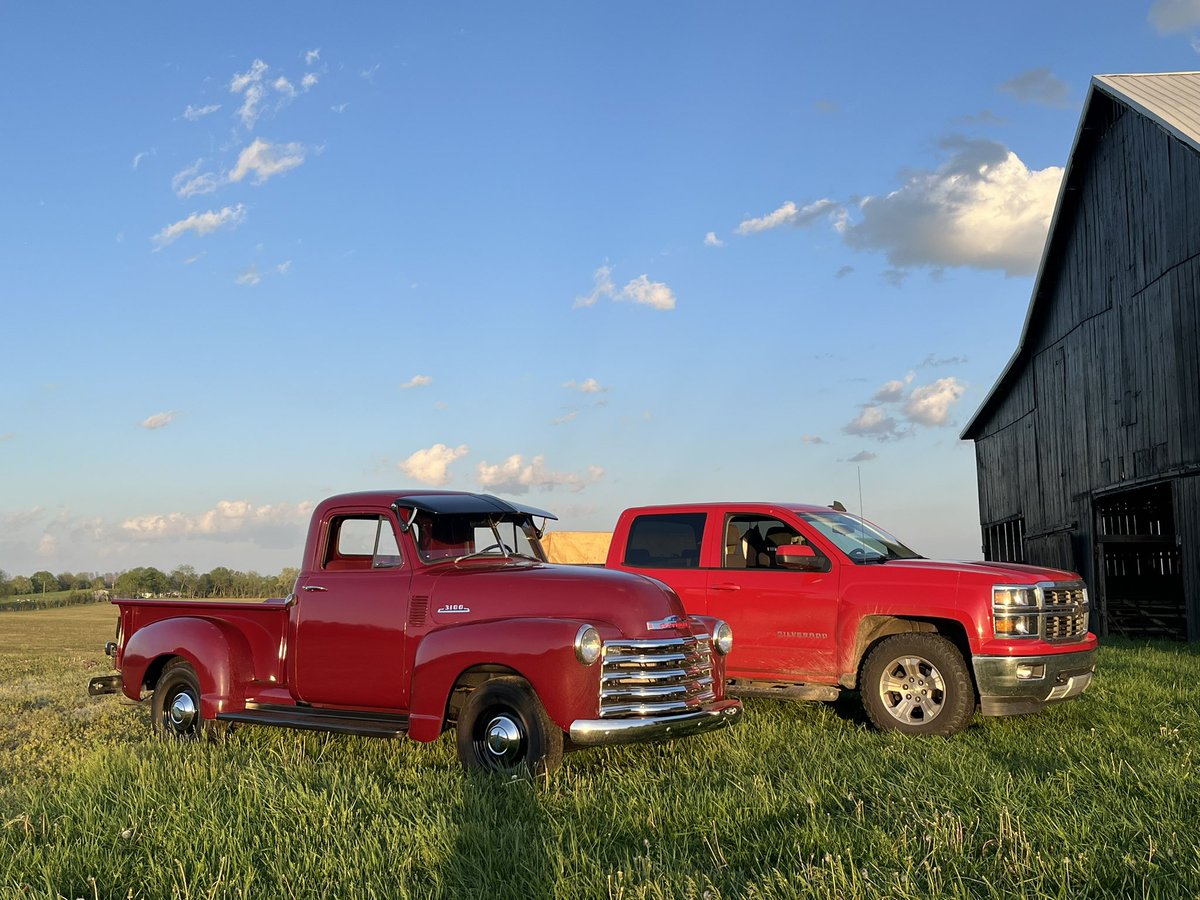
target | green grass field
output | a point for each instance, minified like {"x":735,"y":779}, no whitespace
{"x":1095,"y":798}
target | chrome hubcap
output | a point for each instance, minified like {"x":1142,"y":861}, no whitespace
{"x":912,"y":690}
{"x":503,"y":740}
{"x":182,"y":714}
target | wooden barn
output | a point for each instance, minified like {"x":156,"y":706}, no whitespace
{"x":1088,"y":445}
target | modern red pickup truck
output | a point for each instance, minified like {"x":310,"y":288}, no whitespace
{"x":419,"y":611}
{"x":823,"y":601}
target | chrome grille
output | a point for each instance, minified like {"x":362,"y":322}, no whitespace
{"x":1065,"y":611}
{"x":653,"y":677}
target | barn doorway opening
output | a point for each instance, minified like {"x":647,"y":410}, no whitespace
{"x":1140,"y":594}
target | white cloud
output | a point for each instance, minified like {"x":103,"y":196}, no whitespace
{"x":930,"y":405}
{"x":138,"y":157}
{"x":654,"y":294}
{"x":249,"y":277}
{"x":21,"y":519}
{"x":892,"y":391}
{"x":159,"y":420}
{"x":873,"y":421}
{"x":641,"y":290}
{"x":312,"y":56}
{"x":284,"y":267}
{"x":265,"y":160}
{"x":926,"y":405}
{"x":193,"y":113}
{"x":711,"y":240}
{"x":190,"y":182}
{"x":202,"y":224}
{"x":417,"y":381}
{"x":8,"y":436}
{"x":252,"y":76}
{"x":369,"y":74}
{"x":249,"y":85}
{"x":983,"y":208}
{"x":602,"y":286}
{"x":339,"y":108}
{"x":283,"y":86}
{"x":812,"y":439}
{"x":309,"y":81}
{"x":564,"y":419}
{"x":1039,"y":86}
{"x":227,"y":518}
{"x":587,"y":386}
{"x":431,"y":466}
{"x":790,"y":214}
{"x":864,"y":456}
{"x":514,"y":476}
{"x":1172,"y":16}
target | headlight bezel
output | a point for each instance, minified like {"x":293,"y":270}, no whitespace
{"x":1016,"y":610}
{"x":589,"y":645}
{"x":722,"y":637}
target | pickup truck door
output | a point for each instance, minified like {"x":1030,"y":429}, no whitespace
{"x":349,"y":638}
{"x":783,"y":617}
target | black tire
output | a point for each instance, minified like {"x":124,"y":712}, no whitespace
{"x":917,"y":684}
{"x":504,"y":728}
{"x":175,"y":706}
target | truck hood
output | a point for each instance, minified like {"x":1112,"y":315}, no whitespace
{"x":623,"y":601}
{"x":1009,"y":573}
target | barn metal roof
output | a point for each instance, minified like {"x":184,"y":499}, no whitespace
{"x":1169,"y":99}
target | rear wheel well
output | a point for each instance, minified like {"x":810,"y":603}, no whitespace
{"x":155,"y":669}
{"x":467,"y":682}
{"x":873,"y":629}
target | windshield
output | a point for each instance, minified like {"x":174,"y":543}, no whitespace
{"x":455,"y":537}
{"x":858,"y":538}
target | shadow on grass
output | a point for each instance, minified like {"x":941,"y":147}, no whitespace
{"x":502,"y":839}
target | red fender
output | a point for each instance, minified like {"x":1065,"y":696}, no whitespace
{"x":542,"y":651}
{"x":219,"y":653}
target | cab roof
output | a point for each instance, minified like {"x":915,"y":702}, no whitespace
{"x":439,"y":502}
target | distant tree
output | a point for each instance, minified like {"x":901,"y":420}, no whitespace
{"x":5,"y":584}
{"x":142,"y":580}
{"x":21,"y":585}
{"x":185,"y":580}
{"x":284,"y":582}
{"x":44,"y":582}
{"x":220,"y":582}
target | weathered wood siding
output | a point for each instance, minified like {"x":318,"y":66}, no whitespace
{"x":1107,"y":390}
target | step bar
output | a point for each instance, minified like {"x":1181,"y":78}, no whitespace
{"x":308,"y":718}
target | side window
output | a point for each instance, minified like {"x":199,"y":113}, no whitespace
{"x":752,"y":542}
{"x":670,"y":541}
{"x":361,"y":543}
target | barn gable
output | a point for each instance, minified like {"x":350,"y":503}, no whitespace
{"x":1099,"y":406}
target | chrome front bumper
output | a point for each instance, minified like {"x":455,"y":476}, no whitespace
{"x":598,"y":732}
{"x":1012,"y":685}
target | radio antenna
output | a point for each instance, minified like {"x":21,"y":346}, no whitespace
{"x":862,"y":518}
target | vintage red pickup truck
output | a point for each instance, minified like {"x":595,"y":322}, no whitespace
{"x":823,"y":601}
{"x":419,"y":611}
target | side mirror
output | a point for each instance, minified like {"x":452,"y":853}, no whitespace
{"x":799,"y":556}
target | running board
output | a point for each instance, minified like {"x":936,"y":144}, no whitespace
{"x":308,"y":718}
{"x":742,"y":688}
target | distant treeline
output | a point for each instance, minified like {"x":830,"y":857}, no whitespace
{"x":22,"y":592}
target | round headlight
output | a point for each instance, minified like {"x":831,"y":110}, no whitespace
{"x":723,"y":637}
{"x":587,"y":644}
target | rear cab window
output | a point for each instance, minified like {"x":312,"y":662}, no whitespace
{"x":665,"y":541}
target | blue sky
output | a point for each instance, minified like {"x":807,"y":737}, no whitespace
{"x":589,"y":254}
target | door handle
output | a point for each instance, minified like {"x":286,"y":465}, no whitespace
{"x":314,"y":587}
{"x":726,"y":586}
